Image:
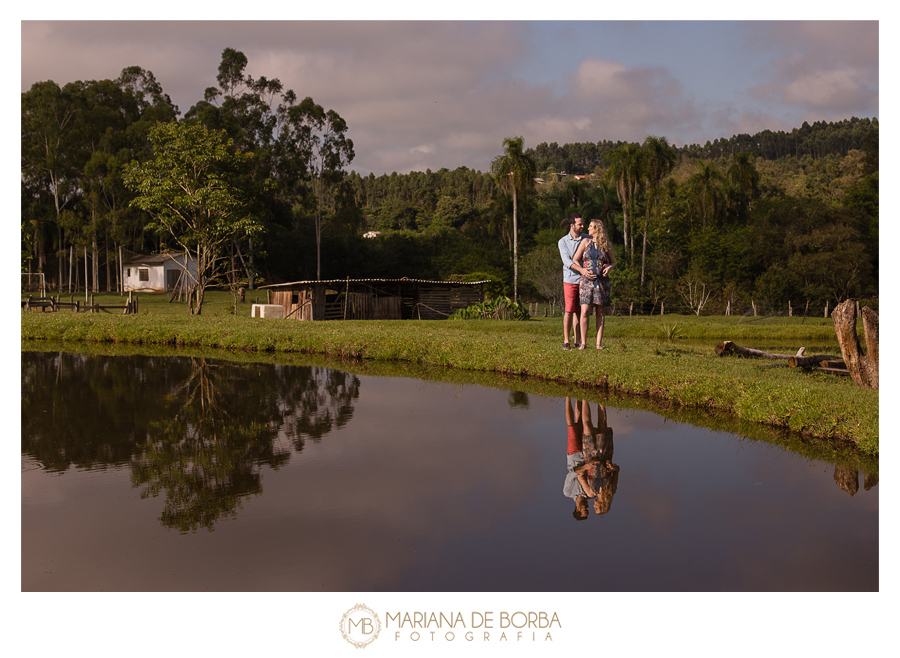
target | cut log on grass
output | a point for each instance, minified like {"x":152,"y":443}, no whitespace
{"x":863,"y":367}
{"x":814,"y":360}
{"x":726,"y":347}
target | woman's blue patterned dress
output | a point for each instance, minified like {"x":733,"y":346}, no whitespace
{"x":596,"y":292}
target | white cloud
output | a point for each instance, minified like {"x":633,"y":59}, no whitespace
{"x":445,"y":94}
{"x":824,"y":89}
{"x":827,"y":66}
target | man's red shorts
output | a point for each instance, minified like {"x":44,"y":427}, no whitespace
{"x":573,"y":305}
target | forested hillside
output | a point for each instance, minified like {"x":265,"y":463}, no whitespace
{"x":769,"y":219}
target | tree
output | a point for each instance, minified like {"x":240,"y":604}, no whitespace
{"x":541,"y":269}
{"x":705,"y":186}
{"x":626,"y":171}
{"x":50,"y":158}
{"x":744,"y":178}
{"x":314,"y":147}
{"x":659,"y":160}
{"x":187,"y":188}
{"x":515,"y":173}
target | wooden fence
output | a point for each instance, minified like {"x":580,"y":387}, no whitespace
{"x":746,"y":309}
{"x":53,"y":305}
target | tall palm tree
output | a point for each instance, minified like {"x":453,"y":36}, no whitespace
{"x":515,"y":173}
{"x":704,"y":187}
{"x":625,"y":166}
{"x":744,"y":177}
{"x":659,"y":160}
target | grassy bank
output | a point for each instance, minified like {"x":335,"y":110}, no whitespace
{"x":668,"y":359}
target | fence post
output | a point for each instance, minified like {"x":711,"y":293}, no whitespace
{"x":630,"y":309}
{"x":826,"y":308}
{"x":662,"y":308}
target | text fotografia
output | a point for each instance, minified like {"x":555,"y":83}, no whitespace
{"x":481,"y":626}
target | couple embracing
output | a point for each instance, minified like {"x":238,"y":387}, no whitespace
{"x":587,"y":260}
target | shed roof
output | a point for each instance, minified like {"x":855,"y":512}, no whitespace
{"x":346,"y":281}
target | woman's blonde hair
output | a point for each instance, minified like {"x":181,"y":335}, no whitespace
{"x":603,"y":241}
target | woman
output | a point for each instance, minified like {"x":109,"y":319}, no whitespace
{"x":594,"y":259}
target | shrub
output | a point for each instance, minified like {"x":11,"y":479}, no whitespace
{"x":501,"y":308}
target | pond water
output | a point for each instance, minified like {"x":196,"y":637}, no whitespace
{"x":174,"y":473}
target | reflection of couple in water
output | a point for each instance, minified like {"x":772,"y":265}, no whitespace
{"x":589,"y":450}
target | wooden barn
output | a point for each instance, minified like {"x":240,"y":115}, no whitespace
{"x":374,"y":299}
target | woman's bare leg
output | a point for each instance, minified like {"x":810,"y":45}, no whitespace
{"x":586,"y":417}
{"x":601,"y":320}
{"x":585,"y":323}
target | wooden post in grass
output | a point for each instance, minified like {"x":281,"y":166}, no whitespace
{"x":863,"y":367}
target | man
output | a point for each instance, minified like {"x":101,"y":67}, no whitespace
{"x":572,"y":307}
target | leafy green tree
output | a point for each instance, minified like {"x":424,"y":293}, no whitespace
{"x":247,"y":109}
{"x":744,"y":179}
{"x":626,"y":170}
{"x":659,"y":160}
{"x":515,"y":173}
{"x":51,"y":159}
{"x":541,"y":269}
{"x":706,"y":186}
{"x":187,"y":187}
{"x":451,"y":212}
{"x":314,"y":145}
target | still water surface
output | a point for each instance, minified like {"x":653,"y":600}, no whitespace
{"x":177,"y":473}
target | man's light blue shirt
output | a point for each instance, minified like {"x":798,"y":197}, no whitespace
{"x":567,"y":246}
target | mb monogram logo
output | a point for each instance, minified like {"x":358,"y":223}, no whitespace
{"x":360,"y":626}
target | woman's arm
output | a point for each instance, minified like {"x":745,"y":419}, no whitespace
{"x":612,"y":261}
{"x":577,"y":260}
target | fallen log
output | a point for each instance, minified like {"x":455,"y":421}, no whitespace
{"x":814,"y":360}
{"x":833,"y":371}
{"x":726,"y":347}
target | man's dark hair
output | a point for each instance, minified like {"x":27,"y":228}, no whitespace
{"x":568,"y":221}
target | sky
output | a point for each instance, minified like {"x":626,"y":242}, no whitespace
{"x":420,"y":95}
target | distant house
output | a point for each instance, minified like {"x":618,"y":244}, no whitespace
{"x":158,"y":272}
{"x":371,"y":234}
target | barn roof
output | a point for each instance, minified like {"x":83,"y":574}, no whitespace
{"x":346,"y":281}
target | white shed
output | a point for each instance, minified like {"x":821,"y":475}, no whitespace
{"x":158,"y":273}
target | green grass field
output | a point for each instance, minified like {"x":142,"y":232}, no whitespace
{"x":669,"y":359}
